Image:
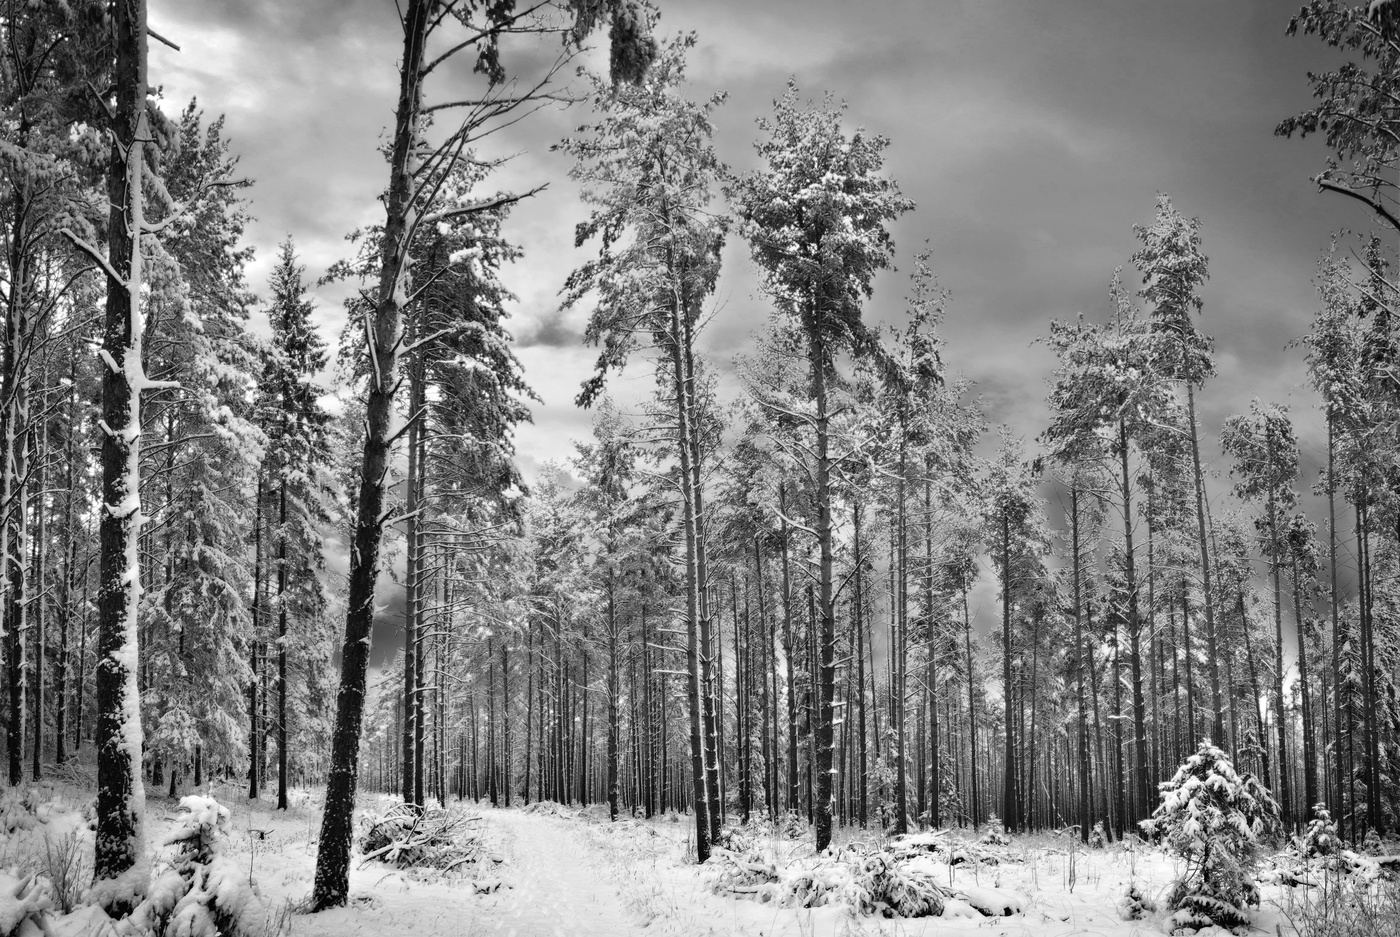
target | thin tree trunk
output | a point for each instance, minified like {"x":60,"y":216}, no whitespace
{"x":1207,"y":596}
{"x":858,"y":614}
{"x":1275,"y":562}
{"x":1143,"y":788}
{"x":1076,"y":562}
{"x":282,"y":645}
{"x":1010,"y":814}
{"x":791,"y":798}
{"x":826,"y":637}
{"x":971,"y":706}
{"x":1310,"y":797}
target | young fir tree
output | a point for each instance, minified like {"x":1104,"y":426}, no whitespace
{"x":297,"y":479}
{"x":1213,"y":818}
{"x":198,"y":474}
{"x":816,"y":217}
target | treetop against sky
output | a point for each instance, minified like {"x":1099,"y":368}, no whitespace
{"x":1031,"y":136}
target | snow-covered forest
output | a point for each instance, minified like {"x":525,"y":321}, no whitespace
{"x":814,"y":636}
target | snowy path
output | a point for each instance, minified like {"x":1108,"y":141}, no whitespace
{"x":554,"y":882}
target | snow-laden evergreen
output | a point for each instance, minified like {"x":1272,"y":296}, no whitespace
{"x":1214,"y":819}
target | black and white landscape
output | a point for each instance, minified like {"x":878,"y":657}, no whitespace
{"x":612,"y":467}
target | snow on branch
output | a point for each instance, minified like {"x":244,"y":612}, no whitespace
{"x":490,"y":204}
{"x":97,"y":257}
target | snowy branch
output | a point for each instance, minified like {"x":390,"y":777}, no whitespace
{"x":96,"y":256}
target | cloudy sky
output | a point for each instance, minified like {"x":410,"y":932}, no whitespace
{"x":1032,"y":135}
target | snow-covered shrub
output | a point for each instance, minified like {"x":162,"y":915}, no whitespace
{"x":204,"y":825}
{"x":1213,"y":818}
{"x":1346,"y":905}
{"x":1320,"y":838}
{"x":1371,"y":843}
{"x":744,"y":869}
{"x":200,"y":893}
{"x":865,"y":881}
{"x":24,"y":906}
{"x":67,"y":865}
{"x":1136,"y":904}
{"x":1097,"y":839}
{"x":900,"y":889}
{"x":794,"y":825}
{"x":996,"y":834}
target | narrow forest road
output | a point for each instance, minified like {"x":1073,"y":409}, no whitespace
{"x":553,"y":882}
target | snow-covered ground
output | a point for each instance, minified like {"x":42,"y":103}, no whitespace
{"x":562,"y":871}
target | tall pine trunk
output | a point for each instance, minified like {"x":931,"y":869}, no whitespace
{"x":333,"y":855}
{"x":791,"y":799}
{"x":1143,"y":783}
{"x":120,"y":872}
{"x":282,"y":645}
{"x":826,"y":634}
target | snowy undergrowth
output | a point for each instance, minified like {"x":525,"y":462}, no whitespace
{"x":1339,"y":903}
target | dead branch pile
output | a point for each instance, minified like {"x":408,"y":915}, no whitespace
{"x":407,"y":836}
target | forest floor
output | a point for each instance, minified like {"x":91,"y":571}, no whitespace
{"x":551,"y":870}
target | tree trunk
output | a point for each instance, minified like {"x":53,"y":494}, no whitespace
{"x":900,"y":663}
{"x":1275,"y":562}
{"x":333,"y":855}
{"x":971,"y":706}
{"x":120,"y":871}
{"x":282,"y":645}
{"x":1143,"y":787}
{"x":1340,"y":729}
{"x":1080,"y":665}
{"x":791,"y":799}
{"x":934,"y":643}
{"x":254,"y":727}
{"x":40,"y":588}
{"x":1207,"y":596}
{"x":1310,"y":798}
{"x":1010,"y":813}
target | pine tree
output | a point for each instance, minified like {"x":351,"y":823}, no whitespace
{"x":649,"y":169}
{"x":815,"y":217}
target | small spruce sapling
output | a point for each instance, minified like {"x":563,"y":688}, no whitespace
{"x":202,"y":893}
{"x":1320,"y":838}
{"x":1213,"y":818}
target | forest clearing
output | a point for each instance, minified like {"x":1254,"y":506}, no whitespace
{"x":618,"y":488}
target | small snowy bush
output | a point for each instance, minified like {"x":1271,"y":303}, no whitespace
{"x":996,"y":834}
{"x":1136,"y":904}
{"x":1213,"y":818}
{"x":1371,"y":843}
{"x":201,"y":893}
{"x":1320,"y":838}
{"x":1097,"y":839}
